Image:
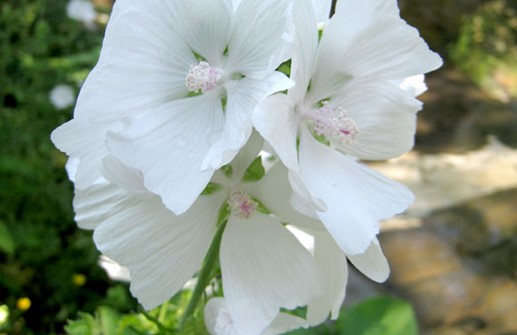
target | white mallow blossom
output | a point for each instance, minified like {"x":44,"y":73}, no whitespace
{"x":264,"y":267}
{"x":347,"y":105}
{"x":174,"y":89}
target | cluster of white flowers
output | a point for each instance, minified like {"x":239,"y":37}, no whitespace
{"x":171,"y":129}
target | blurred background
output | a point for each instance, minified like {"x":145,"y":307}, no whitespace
{"x":453,"y":254}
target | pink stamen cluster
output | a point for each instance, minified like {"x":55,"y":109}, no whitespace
{"x":241,"y":204}
{"x":334,"y":123}
{"x":202,"y":77}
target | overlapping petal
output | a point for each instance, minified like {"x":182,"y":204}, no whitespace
{"x":242,"y":97}
{"x":264,"y":268}
{"x":356,"y":196}
{"x":368,"y":39}
{"x":169,"y":148}
{"x":161,"y":250}
{"x":255,"y":47}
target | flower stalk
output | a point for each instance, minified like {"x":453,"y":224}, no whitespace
{"x":205,"y":274}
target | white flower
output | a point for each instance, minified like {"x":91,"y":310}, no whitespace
{"x":173,"y":91}
{"x":62,"y":96}
{"x":218,"y":321}
{"x":82,"y":11}
{"x":264,"y":268}
{"x":346,"y":105}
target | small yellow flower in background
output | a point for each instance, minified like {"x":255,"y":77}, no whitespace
{"x":23,"y":304}
{"x":79,"y":279}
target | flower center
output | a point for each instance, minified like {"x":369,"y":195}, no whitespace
{"x":334,"y":123}
{"x":202,"y":77}
{"x":241,"y":204}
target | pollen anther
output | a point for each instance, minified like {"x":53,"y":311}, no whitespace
{"x":334,"y":123}
{"x":241,"y":204}
{"x":202,"y":77}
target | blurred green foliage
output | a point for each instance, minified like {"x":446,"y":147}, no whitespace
{"x":41,"y":248}
{"x":487,"y":46}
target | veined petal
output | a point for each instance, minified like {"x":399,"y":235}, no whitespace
{"x":372,"y":263}
{"x":243,"y":97}
{"x":80,"y":140}
{"x":356,"y":197}
{"x":368,"y":39}
{"x":322,"y":10}
{"x":161,"y":250}
{"x":257,"y":37}
{"x":277,"y":122}
{"x":143,"y":63}
{"x":305,"y":46}
{"x":168,"y":146}
{"x":206,"y":26}
{"x":264,"y":268}
{"x":333,"y":268}
{"x":385,"y":116}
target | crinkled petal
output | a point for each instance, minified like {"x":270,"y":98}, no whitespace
{"x":368,"y":39}
{"x":168,"y":146}
{"x":258,"y":36}
{"x":84,"y":142}
{"x":385,"y":116}
{"x":372,"y":263}
{"x":143,"y":63}
{"x":276,"y":121}
{"x":264,"y":268}
{"x":161,"y":250}
{"x":334,"y":273}
{"x":243,"y":97}
{"x":356,"y":197}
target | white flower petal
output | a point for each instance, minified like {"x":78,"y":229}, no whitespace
{"x":84,"y":142}
{"x":123,"y":176}
{"x":263,"y":268}
{"x":257,"y":37}
{"x":243,"y":97}
{"x":368,"y":39}
{"x":356,"y":197}
{"x":322,"y":10}
{"x":168,"y":147}
{"x":143,"y":63}
{"x":274,"y":191}
{"x":305,"y":46}
{"x":276,"y":121}
{"x":372,"y":263}
{"x":334,"y":273}
{"x":385,"y":116}
{"x":246,"y":156}
{"x":206,"y":26}
{"x":161,"y":250}
{"x":219,"y":322}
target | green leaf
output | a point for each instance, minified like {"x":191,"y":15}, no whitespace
{"x":6,"y":239}
{"x":108,"y":320}
{"x":255,"y":171}
{"x":85,"y":325}
{"x":379,"y":316}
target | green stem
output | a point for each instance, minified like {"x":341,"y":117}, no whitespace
{"x":204,"y":275}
